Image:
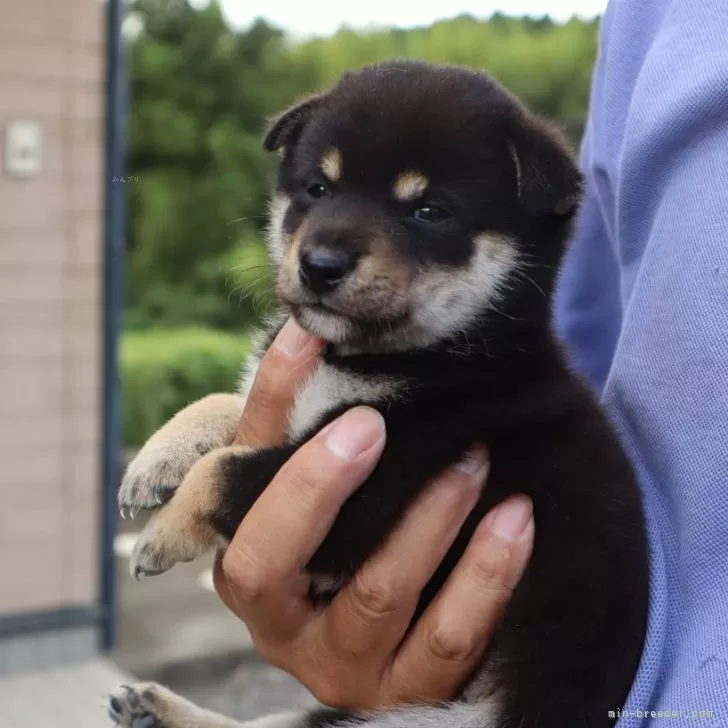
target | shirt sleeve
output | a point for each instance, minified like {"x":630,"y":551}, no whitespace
{"x":587,"y":312}
{"x":643,"y":308}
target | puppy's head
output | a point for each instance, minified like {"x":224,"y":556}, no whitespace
{"x":409,"y":197}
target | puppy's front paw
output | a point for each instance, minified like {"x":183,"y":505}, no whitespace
{"x":153,"y":476}
{"x":157,"y":471}
{"x":182,"y":529}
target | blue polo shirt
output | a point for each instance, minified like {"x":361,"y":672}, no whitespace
{"x":642,"y":306}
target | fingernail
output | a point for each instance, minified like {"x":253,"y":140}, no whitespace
{"x":510,"y":520}
{"x":292,"y":339}
{"x":355,"y":432}
{"x":475,"y":463}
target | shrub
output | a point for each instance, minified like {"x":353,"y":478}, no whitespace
{"x":164,"y":370}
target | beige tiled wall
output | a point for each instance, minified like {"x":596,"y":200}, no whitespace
{"x":51,"y":71}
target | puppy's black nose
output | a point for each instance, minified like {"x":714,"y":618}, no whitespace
{"x":321,"y":270}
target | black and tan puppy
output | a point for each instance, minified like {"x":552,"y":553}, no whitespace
{"x":418,"y":222}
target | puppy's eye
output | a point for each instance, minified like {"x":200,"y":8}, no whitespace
{"x":430,"y":213}
{"x":317,"y":191}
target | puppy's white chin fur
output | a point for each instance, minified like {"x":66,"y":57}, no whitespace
{"x":329,"y":326}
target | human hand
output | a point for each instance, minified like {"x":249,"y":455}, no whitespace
{"x":351,"y":653}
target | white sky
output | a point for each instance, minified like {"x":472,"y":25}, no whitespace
{"x":322,"y":17}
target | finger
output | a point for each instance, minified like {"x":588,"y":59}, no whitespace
{"x":293,"y":609}
{"x":451,"y":636}
{"x":372,"y":613}
{"x":290,"y":359}
{"x":301,"y":502}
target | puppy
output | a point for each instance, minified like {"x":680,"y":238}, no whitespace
{"x":417,"y":225}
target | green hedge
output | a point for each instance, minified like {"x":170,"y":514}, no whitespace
{"x":164,"y":370}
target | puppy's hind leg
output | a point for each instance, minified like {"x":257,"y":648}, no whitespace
{"x":149,"y":705}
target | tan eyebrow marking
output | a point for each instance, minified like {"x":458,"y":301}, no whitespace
{"x":409,"y":186}
{"x":331,"y":164}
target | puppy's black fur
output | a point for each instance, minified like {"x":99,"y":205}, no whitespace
{"x":571,"y":639}
{"x":419,"y":220}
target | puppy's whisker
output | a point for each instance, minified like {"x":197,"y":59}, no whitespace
{"x":245,"y":268}
{"x":249,"y":288}
{"x":246,"y":219}
{"x":525,"y":276}
{"x":497,"y":311}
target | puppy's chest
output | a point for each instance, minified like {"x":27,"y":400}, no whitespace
{"x":329,"y":388}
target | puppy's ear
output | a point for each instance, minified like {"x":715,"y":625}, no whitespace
{"x":286,"y":129}
{"x":549,"y":182}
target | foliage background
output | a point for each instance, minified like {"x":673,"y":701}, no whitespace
{"x":200,"y":97}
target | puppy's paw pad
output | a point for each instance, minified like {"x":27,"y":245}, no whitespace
{"x":130,"y":707}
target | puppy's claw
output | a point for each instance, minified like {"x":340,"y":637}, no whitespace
{"x":139,"y":572}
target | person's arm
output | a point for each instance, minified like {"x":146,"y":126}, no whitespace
{"x":656,"y":163}
{"x":351,"y":653}
{"x":587,"y":311}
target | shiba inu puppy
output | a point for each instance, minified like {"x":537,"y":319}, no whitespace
{"x":417,"y":225}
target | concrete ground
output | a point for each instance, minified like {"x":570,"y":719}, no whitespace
{"x":71,"y":696}
{"x":173,"y":629}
